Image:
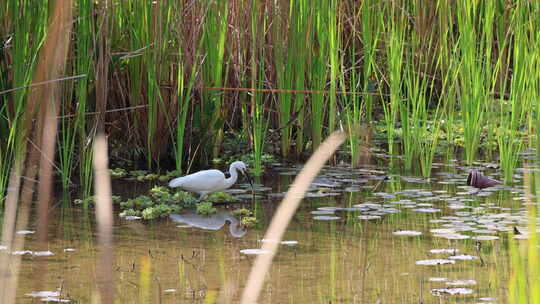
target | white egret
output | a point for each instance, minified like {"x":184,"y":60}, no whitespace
{"x":209,"y":181}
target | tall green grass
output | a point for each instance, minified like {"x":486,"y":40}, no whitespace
{"x":473,"y":74}
{"x":395,"y":44}
{"x":213,"y":114}
{"x":258,"y":119}
{"x":464,"y":63}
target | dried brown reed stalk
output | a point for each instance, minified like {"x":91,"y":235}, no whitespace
{"x":284,"y":214}
{"x":104,"y":219}
{"x":42,"y":101}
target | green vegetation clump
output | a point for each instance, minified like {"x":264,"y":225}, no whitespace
{"x":162,"y":194}
{"x":161,"y":210}
{"x":185,"y":198}
{"x":148,"y":208}
{"x":118,"y":173}
{"x":130,"y":212}
{"x":221,"y":197}
{"x":205,"y":208}
{"x":248,"y":221}
{"x":160,"y":202}
{"x":241,"y":212}
{"x":90,"y":200}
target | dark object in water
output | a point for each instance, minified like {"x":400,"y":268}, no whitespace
{"x":478,"y":180}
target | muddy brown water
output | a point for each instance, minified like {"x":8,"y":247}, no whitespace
{"x":341,"y":258}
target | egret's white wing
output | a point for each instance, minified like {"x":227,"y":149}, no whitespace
{"x":207,"y":180}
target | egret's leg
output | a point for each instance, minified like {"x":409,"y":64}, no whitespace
{"x":203,"y":195}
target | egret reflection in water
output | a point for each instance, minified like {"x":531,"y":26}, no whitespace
{"x":212,"y":222}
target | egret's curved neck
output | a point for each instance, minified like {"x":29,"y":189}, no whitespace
{"x":234,"y":176}
{"x":235,"y":229}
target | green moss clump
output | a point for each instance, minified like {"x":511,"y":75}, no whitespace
{"x":205,"y":208}
{"x":248,"y":221}
{"x":221,"y":197}
{"x":118,"y":172}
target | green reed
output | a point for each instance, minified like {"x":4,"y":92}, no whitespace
{"x":285,"y":64}
{"x":474,"y":73}
{"x":394,"y":52}
{"x":334,"y":46}
{"x":258,"y":119}
{"x":513,"y":114}
{"x":27,"y":21}
{"x":159,"y":52}
{"x":184,"y":88}
{"x":318,"y":76}
{"x":213,"y":67}
{"x":84,"y":66}
{"x":353,"y":110}
{"x":371,"y":29}
{"x":301,"y":30}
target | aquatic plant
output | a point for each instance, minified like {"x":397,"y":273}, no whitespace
{"x":241,"y":212}
{"x":118,"y":173}
{"x":205,"y":208}
{"x":395,"y":53}
{"x":174,"y":94}
{"x":221,"y":197}
{"x":248,"y":221}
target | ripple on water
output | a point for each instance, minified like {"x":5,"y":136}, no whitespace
{"x":322,"y":212}
{"x":172,"y":290}
{"x":485,"y":237}
{"x":461,"y":283}
{"x":326,"y":218}
{"x":287,"y":243}
{"x":433,"y":262}
{"x":427,"y":210}
{"x":451,"y":291}
{"x":437,"y":251}
{"x":452,"y":236}
{"x":463,"y":257}
{"x":253,"y":251}
{"x":407,"y":233}
{"x":369,"y":217}
{"x":48,"y":296}
{"x":442,"y":231}
{"x":26,"y":232}
{"x":437,"y":279}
